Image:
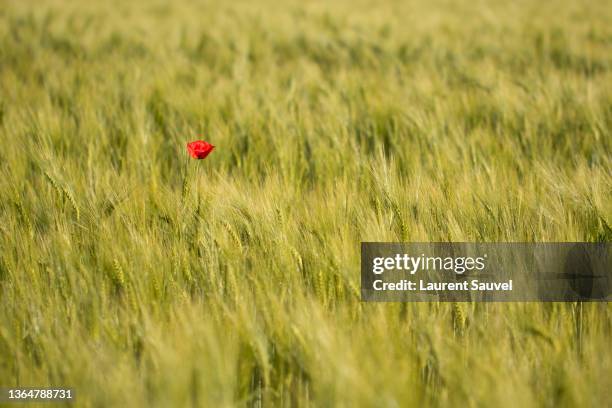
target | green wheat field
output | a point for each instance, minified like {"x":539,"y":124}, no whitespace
{"x":140,"y":277}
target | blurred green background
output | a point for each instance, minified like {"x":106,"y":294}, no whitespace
{"x":140,"y":277}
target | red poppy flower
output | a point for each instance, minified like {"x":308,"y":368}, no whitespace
{"x":199,"y":149}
